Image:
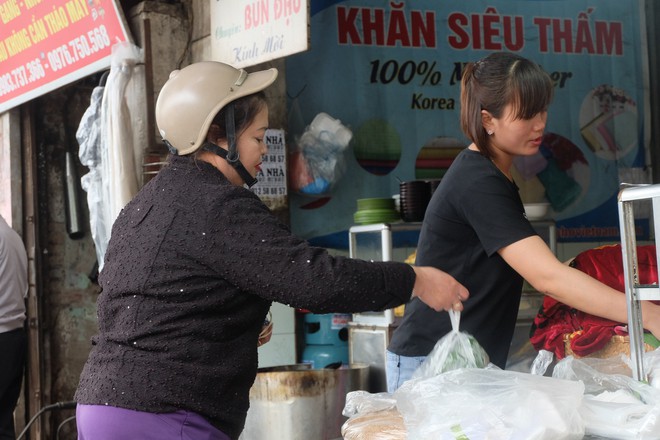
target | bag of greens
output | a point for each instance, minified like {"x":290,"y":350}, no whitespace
{"x":453,"y":351}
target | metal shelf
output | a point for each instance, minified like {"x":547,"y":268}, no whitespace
{"x":636,"y":292}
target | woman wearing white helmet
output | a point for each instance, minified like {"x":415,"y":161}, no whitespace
{"x":195,"y":261}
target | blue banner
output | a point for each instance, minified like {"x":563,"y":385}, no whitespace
{"x":390,"y":72}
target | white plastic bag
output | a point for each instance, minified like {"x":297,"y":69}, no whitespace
{"x":372,"y":417}
{"x":542,"y":361}
{"x":651,"y":361}
{"x":615,"y":405}
{"x":454,"y":350}
{"x":491,"y":404}
{"x":362,"y":402}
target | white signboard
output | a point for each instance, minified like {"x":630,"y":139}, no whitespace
{"x":248,"y":32}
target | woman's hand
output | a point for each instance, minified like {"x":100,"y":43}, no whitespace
{"x":651,"y":317}
{"x":438,"y":289}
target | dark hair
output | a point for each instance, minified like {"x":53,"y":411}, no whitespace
{"x":495,"y":81}
{"x":245,"y":110}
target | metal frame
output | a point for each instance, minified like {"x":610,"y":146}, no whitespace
{"x":636,"y":292}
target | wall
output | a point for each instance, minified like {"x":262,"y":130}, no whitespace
{"x":69,"y":296}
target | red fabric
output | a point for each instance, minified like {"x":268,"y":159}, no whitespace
{"x":606,"y":265}
{"x":589,"y":333}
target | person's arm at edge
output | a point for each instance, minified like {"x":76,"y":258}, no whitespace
{"x":535,"y":262}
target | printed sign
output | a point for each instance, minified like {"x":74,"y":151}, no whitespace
{"x":391,"y":72}
{"x":340,"y":320}
{"x":271,"y":180}
{"x":45,"y":44}
{"x":249,"y":32}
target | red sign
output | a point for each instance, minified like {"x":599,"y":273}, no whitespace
{"x":45,"y":44}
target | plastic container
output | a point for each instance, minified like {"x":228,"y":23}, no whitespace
{"x":295,"y":402}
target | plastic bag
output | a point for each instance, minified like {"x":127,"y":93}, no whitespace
{"x":318,"y":163}
{"x":651,"y":361}
{"x":372,"y":417}
{"x":615,"y":405}
{"x":454,"y":350}
{"x":542,"y":361}
{"x":491,"y":404}
{"x":89,"y":136}
{"x":106,"y":146}
{"x":360,"y":402}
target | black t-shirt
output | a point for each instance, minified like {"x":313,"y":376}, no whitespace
{"x":473,"y":213}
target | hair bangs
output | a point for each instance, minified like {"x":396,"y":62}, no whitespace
{"x":532,"y":88}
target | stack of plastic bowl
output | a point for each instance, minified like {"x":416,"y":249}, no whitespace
{"x":415,"y":196}
{"x":537,"y":211}
{"x":377,"y":210}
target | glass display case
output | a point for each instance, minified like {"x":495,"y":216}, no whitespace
{"x":369,"y":333}
{"x":382,"y":242}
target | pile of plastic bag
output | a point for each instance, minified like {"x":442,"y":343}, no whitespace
{"x":492,"y":404}
{"x":614,"y":405}
{"x":457,"y":394}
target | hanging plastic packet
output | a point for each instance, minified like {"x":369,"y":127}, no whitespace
{"x":453,"y":351}
{"x":318,"y":161}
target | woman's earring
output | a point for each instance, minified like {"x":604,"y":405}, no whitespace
{"x":489,"y":132}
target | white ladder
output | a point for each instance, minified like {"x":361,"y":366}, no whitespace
{"x":636,"y":292}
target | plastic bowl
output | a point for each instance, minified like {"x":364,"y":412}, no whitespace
{"x":537,"y":211}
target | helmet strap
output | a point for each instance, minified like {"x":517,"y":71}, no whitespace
{"x":231,"y":154}
{"x":230,"y":127}
{"x":238,"y":166}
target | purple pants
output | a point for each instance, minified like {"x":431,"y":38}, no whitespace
{"x":100,"y":422}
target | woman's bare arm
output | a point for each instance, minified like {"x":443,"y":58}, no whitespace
{"x":534,"y":260}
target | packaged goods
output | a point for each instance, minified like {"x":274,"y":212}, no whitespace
{"x":454,"y":350}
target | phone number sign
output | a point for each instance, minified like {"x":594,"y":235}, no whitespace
{"x":46,"y":44}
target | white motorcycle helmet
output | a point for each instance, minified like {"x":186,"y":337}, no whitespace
{"x":194,"y":95}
